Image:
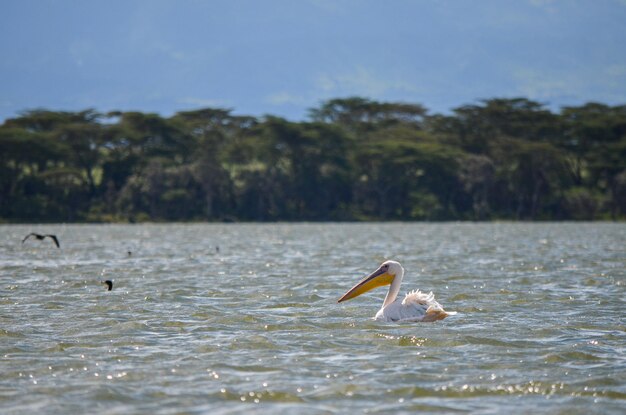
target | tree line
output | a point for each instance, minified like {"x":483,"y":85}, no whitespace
{"x":352,"y":159}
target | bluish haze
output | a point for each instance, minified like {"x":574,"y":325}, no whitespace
{"x":284,"y":57}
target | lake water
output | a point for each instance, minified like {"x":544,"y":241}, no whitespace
{"x":255,"y":327}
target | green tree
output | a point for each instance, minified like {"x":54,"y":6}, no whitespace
{"x":595,"y":136}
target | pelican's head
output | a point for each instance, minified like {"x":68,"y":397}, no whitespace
{"x":384,"y":275}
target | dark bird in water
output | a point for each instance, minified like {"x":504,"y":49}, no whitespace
{"x":42,"y":237}
{"x":109,"y":284}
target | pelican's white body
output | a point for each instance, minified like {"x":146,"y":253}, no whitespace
{"x":415,"y":306}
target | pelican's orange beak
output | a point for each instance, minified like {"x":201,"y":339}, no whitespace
{"x":378,"y":278}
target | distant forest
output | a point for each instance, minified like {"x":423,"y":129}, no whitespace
{"x":354,"y":159}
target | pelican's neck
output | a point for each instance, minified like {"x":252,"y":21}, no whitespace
{"x":394,"y":288}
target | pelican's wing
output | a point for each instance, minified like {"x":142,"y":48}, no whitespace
{"x":56,"y":241}
{"x":416,"y":306}
{"x":399,"y":311}
{"x":27,"y":236}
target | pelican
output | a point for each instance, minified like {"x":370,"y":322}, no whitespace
{"x":416,"y":305}
{"x":42,"y":237}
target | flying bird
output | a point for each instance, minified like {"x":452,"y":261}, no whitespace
{"x":109,"y":284}
{"x":416,"y":305}
{"x":42,"y":237}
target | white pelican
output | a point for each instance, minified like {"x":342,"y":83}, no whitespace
{"x":416,"y":305}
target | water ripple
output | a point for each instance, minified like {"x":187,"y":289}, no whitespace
{"x":256,"y":327}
